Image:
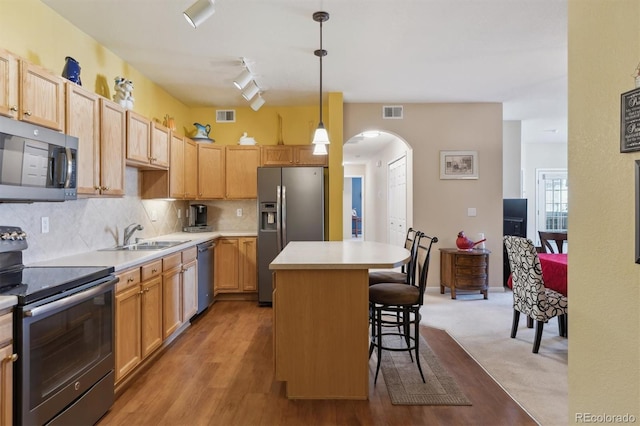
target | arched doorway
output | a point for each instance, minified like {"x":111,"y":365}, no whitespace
{"x":373,"y":159}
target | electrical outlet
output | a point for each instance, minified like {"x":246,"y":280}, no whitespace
{"x":45,"y":224}
{"x":239,"y":212}
{"x":179,"y":213}
{"x":154,"y":216}
{"x":471,"y":211}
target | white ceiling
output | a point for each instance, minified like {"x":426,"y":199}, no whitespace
{"x":387,"y":51}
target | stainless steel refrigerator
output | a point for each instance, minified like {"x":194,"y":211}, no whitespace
{"x":291,"y":207}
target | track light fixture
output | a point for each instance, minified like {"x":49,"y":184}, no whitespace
{"x":250,"y":91}
{"x":243,"y":79}
{"x":320,"y":137}
{"x":257,"y":103}
{"x":199,"y":12}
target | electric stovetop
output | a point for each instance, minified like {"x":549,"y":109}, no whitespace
{"x":31,"y":284}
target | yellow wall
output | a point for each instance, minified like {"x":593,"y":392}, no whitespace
{"x":604,"y":326}
{"x":32,"y":30}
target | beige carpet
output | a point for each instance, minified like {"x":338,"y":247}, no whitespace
{"x":405,"y":385}
{"x":538,"y":382}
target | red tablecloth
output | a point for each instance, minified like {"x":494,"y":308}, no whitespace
{"x":554,"y":271}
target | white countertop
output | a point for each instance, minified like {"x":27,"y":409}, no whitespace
{"x":125,"y":259}
{"x":340,"y":255}
{"x":8,"y":302}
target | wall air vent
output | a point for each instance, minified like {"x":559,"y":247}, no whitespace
{"x":225,"y":116}
{"x":393,"y":112}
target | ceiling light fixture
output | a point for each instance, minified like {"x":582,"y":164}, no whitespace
{"x":250,"y":91}
{"x":244,"y":78}
{"x":320,"y":137}
{"x":257,"y":102}
{"x":199,"y":12}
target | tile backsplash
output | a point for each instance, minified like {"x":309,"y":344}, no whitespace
{"x":93,"y":223}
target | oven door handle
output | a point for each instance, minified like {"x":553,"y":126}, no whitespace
{"x":70,"y":300}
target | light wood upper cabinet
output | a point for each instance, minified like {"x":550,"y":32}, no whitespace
{"x":147,"y":143}
{"x":85,"y":117}
{"x":183,"y":173}
{"x":160,"y":142}
{"x":277,"y":155}
{"x":9,"y":77}
{"x":291,"y":155}
{"x":241,"y":171}
{"x":138,"y":139}
{"x":190,"y":169}
{"x":113,"y":125}
{"x":41,"y":97}
{"x":211,"y":171}
{"x":83,"y":122}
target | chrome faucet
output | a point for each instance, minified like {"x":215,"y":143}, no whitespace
{"x":128,"y":232}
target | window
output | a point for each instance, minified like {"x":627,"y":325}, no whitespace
{"x":552,"y":200}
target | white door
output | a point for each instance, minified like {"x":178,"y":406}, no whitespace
{"x":552,"y":200}
{"x":397,"y":200}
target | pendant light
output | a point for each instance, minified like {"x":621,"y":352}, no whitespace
{"x":320,"y":137}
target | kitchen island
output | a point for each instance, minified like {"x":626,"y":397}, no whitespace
{"x":321,"y":319}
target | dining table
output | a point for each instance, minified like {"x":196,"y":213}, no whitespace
{"x":554,"y":271}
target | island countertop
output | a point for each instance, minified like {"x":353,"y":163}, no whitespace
{"x":339,"y":255}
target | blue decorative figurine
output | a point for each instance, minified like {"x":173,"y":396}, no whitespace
{"x":71,"y":70}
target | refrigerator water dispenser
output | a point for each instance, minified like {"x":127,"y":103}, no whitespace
{"x":268,"y":213}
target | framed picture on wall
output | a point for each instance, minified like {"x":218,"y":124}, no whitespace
{"x":458,"y":164}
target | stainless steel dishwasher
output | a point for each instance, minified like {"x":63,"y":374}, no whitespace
{"x":205,"y":275}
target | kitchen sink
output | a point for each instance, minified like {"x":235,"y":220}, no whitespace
{"x":147,"y":245}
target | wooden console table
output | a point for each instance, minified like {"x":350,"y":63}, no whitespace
{"x":464,"y":270}
{"x":321,"y":315}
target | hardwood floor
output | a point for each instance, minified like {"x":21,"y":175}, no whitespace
{"x":220,"y":372}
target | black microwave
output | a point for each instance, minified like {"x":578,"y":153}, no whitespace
{"x":36,"y":163}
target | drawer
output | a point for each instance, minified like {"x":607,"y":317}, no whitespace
{"x":189,"y":254}
{"x":151,"y":269}
{"x":466,"y":271}
{"x":471,"y":282}
{"x":127,"y":279}
{"x":171,"y":261}
{"x":479,"y":260}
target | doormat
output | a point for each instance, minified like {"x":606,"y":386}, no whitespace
{"x":404,"y":383}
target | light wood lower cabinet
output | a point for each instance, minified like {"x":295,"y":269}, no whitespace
{"x":138,"y":316}
{"x":235,"y":265}
{"x":171,"y":303}
{"x":189,"y":283}
{"x":7,"y":358}
{"x":152,"y":302}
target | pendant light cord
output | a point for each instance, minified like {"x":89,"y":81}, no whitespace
{"x":322,"y":53}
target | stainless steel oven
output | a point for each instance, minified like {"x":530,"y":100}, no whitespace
{"x":63,"y":335}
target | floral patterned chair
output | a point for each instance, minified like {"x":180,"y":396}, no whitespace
{"x":530,"y":296}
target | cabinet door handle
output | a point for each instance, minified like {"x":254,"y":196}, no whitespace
{"x":154,"y":270}
{"x":14,"y":108}
{"x":10,"y":358}
{"x":130,"y":279}
{"x":27,"y":113}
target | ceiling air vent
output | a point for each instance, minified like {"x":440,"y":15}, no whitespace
{"x":225,"y":116}
{"x":392,"y":111}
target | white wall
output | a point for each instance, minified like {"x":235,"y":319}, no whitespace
{"x":539,"y":156}
{"x":511,"y":159}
